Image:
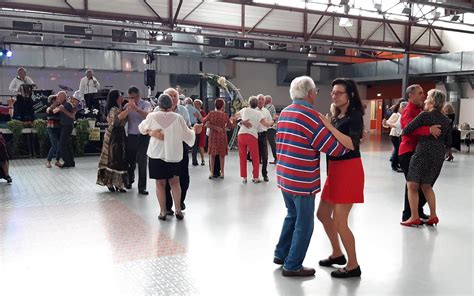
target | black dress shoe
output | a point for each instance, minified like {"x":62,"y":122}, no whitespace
{"x":304,"y":271}
{"x":9,"y":179}
{"x":183,"y":206}
{"x":170,"y":212}
{"x":265,"y":178}
{"x":343,"y":273}
{"x":128,"y":186}
{"x":195,"y":164}
{"x":423,"y":216}
{"x":121,"y":190}
{"x":330,"y":261}
{"x":278,"y":261}
{"x":143,"y":192}
{"x":111,"y":188}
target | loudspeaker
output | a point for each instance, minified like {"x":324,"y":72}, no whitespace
{"x":150,"y":78}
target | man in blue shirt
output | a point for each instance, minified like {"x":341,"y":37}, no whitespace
{"x":195,"y":117}
{"x":137,"y":144}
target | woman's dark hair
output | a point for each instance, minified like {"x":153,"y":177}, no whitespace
{"x":164,"y":101}
{"x":112,"y":99}
{"x":355,"y":102}
{"x":219,"y":103}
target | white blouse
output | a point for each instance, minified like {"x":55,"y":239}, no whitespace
{"x":175,"y":131}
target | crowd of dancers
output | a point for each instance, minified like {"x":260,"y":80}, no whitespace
{"x":159,"y":140}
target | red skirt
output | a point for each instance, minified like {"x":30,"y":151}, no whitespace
{"x":345,"y":182}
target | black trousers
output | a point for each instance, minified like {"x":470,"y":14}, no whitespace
{"x":23,"y":109}
{"x":195,"y":149}
{"x":405,"y":163}
{"x":263,"y":152}
{"x":183,"y":180}
{"x":136,"y":152}
{"x":65,"y":145}
{"x":271,"y":135}
{"x":396,"y":145}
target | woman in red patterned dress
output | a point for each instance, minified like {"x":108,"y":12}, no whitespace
{"x":202,"y":135}
{"x":218,"y":136}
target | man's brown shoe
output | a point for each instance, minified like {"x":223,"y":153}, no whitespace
{"x":304,"y":271}
{"x":278,"y":261}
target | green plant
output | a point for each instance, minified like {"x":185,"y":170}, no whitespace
{"x":82,"y":136}
{"x":41,"y":128}
{"x":16,"y":127}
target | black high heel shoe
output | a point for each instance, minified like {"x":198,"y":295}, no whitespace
{"x":179,"y":216}
{"x":162,"y":217}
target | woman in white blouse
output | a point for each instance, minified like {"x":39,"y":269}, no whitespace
{"x":395,"y":131}
{"x":168,"y":130}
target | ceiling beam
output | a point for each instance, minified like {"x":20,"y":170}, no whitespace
{"x":176,"y":14}
{"x":261,"y":20}
{"x":454,"y":5}
{"x":159,"y":19}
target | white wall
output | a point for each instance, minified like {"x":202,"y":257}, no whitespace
{"x":456,"y":42}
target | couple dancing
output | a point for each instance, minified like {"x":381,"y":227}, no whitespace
{"x":302,"y":133}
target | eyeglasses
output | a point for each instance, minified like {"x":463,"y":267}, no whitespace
{"x":337,"y":93}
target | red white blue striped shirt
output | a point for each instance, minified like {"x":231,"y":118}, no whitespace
{"x":301,"y":136}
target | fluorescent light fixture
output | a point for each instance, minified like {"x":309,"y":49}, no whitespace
{"x":303,"y":49}
{"x":248,"y":44}
{"x":274,"y":47}
{"x":88,"y":31}
{"x":345,"y":22}
{"x":455,"y":18}
{"x":312,"y":53}
{"x":168,"y":37}
{"x":331,"y":50}
{"x":229,"y":42}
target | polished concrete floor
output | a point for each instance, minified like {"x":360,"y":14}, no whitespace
{"x":60,"y":234}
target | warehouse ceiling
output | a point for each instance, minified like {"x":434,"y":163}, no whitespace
{"x":337,"y":31}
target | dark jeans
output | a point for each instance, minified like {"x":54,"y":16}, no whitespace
{"x":65,"y":145}
{"x":54,"y":136}
{"x":195,"y":150}
{"x":183,"y":180}
{"x":396,"y":144}
{"x":271,"y":135}
{"x":263,"y":152}
{"x":136,"y":148}
{"x":296,"y":231}
{"x":405,"y":164}
{"x":23,"y":109}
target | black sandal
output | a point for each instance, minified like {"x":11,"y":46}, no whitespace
{"x":341,"y":260}
{"x":343,"y":273}
{"x":162,"y":217}
{"x":179,"y":216}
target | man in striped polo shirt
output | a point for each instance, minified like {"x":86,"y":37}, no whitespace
{"x":301,"y":136}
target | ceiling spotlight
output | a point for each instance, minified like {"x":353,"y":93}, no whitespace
{"x":248,"y":44}
{"x":378,"y":7}
{"x":312,"y":53}
{"x":274,"y":46}
{"x":303,"y":49}
{"x":229,"y":42}
{"x":406,"y":10}
{"x":153,"y":34}
{"x":331,"y":50}
{"x":455,"y":18}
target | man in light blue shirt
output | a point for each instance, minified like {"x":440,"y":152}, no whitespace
{"x":194,"y":114}
{"x":137,"y":144}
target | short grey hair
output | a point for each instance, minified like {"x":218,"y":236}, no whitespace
{"x":412,"y":88}
{"x":437,"y":98}
{"x":188,"y":101}
{"x":89,"y":70}
{"x":253,"y":102}
{"x":300,"y":86}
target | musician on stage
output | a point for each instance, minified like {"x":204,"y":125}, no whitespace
{"x":22,"y":87}
{"x":89,"y":85}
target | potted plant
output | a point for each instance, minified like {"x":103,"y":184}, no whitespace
{"x":16,"y":127}
{"x":91,"y":116}
{"x":42,"y":134}
{"x":82,"y":135}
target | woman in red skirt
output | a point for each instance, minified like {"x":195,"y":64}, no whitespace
{"x":345,"y":181}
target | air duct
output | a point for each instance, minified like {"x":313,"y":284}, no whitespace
{"x":288,"y":70}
